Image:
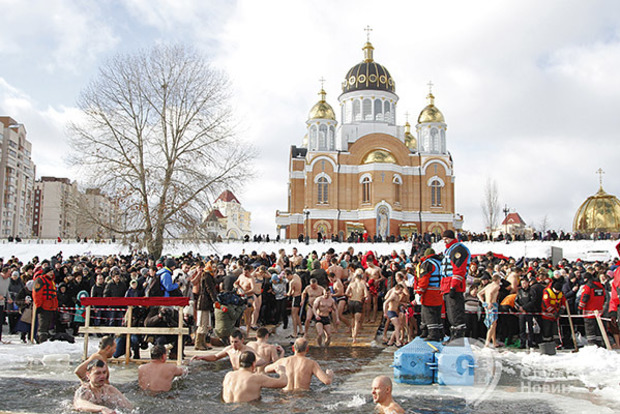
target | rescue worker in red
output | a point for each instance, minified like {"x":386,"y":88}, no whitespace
{"x":614,"y":301}
{"x":428,"y":287}
{"x":454,"y":268}
{"x":592,"y":299}
{"x":553,"y":301}
{"x":46,"y":301}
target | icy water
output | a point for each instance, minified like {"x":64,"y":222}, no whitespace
{"x":38,"y":388}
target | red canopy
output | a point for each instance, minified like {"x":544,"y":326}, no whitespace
{"x":154,"y":301}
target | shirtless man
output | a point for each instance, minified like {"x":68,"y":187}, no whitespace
{"x":267,"y":352}
{"x":294,"y":292}
{"x":382,"y":395}
{"x":335,"y":268}
{"x":300,"y":368}
{"x":259,"y":275}
{"x":323,"y":308}
{"x":157,"y":376}
{"x":339,"y":296}
{"x":358,"y":294}
{"x":96,"y":395}
{"x":374,"y":278}
{"x":488,"y":297}
{"x":245,"y":285}
{"x":232,"y":351}
{"x":308,"y":296}
{"x":391,"y":305}
{"x":245,"y":384}
{"x":107,"y":348}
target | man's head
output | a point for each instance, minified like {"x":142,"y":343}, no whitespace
{"x":300,"y":346}
{"x":381,"y":389}
{"x":262,"y":333}
{"x":97,"y":373}
{"x":236,"y":339}
{"x":170,"y":263}
{"x":313,"y":283}
{"x":158,"y":353}
{"x":247,"y":359}
{"x":107,"y":345}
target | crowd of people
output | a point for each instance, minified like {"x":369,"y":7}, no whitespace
{"x":505,"y":301}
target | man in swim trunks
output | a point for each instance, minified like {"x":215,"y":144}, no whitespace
{"x":96,"y":395}
{"x":232,"y":351}
{"x":339,"y":296}
{"x":245,"y":286}
{"x":488,"y":297}
{"x":300,"y":368}
{"x":357,"y":293}
{"x":382,"y":395}
{"x":324,"y":308}
{"x":245,"y":384}
{"x":391,"y":305}
{"x":309,"y":295}
{"x":157,"y":376}
{"x":294,"y":291}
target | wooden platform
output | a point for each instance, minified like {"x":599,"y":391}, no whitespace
{"x":342,"y":335}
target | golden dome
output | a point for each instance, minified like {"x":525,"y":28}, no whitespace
{"x":381,"y":156}
{"x":410,"y":140}
{"x":430,"y":113}
{"x":600,"y":212}
{"x":322,"y":110}
{"x":304,"y":141}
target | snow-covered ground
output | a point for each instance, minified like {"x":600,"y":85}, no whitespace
{"x":571,"y":250}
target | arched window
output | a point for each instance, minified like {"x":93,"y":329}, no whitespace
{"x":366,"y":190}
{"x":332,"y":138}
{"x":348,"y":114}
{"x":367,"y":110}
{"x":357,"y":112}
{"x":322,"y":138}
{"x":434,"y":140}
{"x":387,"y":114}
{"x":313,"y":138}
{"x":322,"y":189}
{"x":397,"y":183}
{"x":378,"y":110}
{"x":435,"y":193}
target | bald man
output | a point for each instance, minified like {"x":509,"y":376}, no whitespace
{"x":382,"y":395}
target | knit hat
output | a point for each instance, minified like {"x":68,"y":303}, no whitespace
{"x":448,"y":233}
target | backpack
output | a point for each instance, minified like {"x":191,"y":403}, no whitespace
{"x":154,"y":288}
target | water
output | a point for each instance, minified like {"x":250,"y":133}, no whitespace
{"x":49,"y":389}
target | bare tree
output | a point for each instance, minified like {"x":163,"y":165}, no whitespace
{"x":490,"y":205}
{"x":544,"y":224}
{"x":157,"y":136}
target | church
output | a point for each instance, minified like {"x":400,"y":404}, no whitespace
{"x":368,"y":174}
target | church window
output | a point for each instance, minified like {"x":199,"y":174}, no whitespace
{"x":397,"y":185}
{"x":387,"y":114}
{"x":322,"y":138}
{"x":435,"y":193}
{"x":313,"y":138}
{"x":332,"y":138}
{"x":378,"y":110}
{"x":367,"y":110}
{"x":434,"y":140}
{"x":322,"y":188}
{"x":366,"y":190}
{"x":357,"y":112}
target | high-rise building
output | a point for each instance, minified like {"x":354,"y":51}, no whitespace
{"x":96,"y":215}
{"x":17,"y":173}
{"x":53,"y":215}
{"x":369,"y":174}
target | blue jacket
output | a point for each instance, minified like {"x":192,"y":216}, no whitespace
{"x":165,"y":280}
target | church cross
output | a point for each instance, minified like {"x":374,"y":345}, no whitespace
{"x":368,"y":30}
{"x":430,"y":86}
{"x":382,"y":177}
{"x":407,"y":116}
{"x":322,"y":80}
{"x":600,"y":173}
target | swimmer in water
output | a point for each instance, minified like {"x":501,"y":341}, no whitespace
{"x":157,"y":376}
{"x":107,"y":348}
{"x":269,"y":353}
{"x":382,"y":395}
{"x":300,"y":368}
{"x":96,"y":395}
{"x":233,"y":351}
{"x":245,"y":384}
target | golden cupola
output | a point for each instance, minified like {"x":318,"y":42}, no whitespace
{"x":430,"y":113}
{"x":600,"y":212}
{"x":410,"y":140}
{"x":322,"y":110}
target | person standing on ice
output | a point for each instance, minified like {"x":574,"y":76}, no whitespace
{"x":553,"y":301}
{"x":428,"y":287}
{"x":592,"y":299}
{"x":453,"y":276}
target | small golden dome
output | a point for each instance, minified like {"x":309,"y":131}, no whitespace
{"x":322,"y":110}
{"x":410,"y":140}
{"x":600,"y":212}
{"x":430,"y":113}
{"x":380,"y":156}
{"x":304,"y":141}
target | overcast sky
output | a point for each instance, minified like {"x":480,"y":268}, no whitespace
{"x":529,"y":89}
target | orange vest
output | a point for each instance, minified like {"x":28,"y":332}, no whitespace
{"x":44,"y":294}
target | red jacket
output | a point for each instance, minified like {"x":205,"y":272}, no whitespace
{"x":552,"y":303}
{"x":454,"y":267}
{"x":592,"y":298}
{"x":615,"y":286}
{"x":427,"y":283}
{"x":44,"y":293}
